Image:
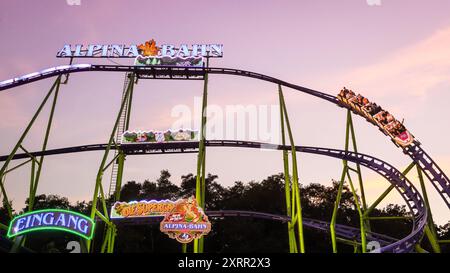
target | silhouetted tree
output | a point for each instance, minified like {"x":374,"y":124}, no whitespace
{"x":51,"y":201}
{"x":231,"y":234}
{"x":131,"y":191}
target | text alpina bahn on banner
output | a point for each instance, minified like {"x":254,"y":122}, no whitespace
{"x":132,"y":51}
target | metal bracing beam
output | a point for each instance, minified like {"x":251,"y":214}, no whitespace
{"x":102,"y":217}
{"x":18,"y":166}
{"x":112,"y":239}
{"x":111,"y":162}
{"x":296,"y":208}
{"x":121,"y":155}
{"x":386,"y":192}
{"x":200,"y":187}
{"x":121,"y":162}
{"x":106,"y":241}
{"x":44,"y":146}
{"x":360,"y":213}
{"x":358,"y":167}
{"x":419,"y":249}
{"x":32,"y":177}
{"x":336,"y":207}
{"x":119,"y":159}
{"x":287,"y":185}
{"x":19,"y":143}
{"x":356,"y":244}
{"x":430,"y":230}
{"x":124,"y":124}
{"x":35,"y":175}
{"x":98,"y":189}
{"x":364,"y":222}
{"x":28,"y":153}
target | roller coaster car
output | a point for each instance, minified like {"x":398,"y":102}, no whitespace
{"x":355,"y":103}
{"x":399,"y":133}
{"x":404,"y":139}
{"x":378,"y":118}
{"x":376,"y":115}
{"x":345,"y":95}
{"x":371,"y":109}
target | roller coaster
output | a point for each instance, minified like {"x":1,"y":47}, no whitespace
{"x":416,"y":201}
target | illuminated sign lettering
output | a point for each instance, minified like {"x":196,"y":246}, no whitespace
{"x":52,"y":219}
{"x":147,"y":53}
{"x":186,"y":222}
{"x":146,"y":49}
{"x":152,"y":208}
{"x":183,"y":219}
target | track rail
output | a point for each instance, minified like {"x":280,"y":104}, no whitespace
{"x":434,"y":173}
{"x":342,"y":231}
{"x":431,"y":169}
{"x":406,"y":189}
{"x":155,"y":72}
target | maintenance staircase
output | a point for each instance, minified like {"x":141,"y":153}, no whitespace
{"x":121,"y":128}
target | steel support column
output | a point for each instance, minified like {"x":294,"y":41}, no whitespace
{"x":430,"y":230}
{"x":292,"y":189}
{"x":107,"y":245}
{"x":200,"y":187}
{"x":4,"y":168}
{"x":44,"y":147}
{"x":364,"y":222}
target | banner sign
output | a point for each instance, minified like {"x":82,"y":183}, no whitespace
{"x":183,"y":219}
{"x":147,"y":53}
{"x":152,"y":208}
{"x":159,"y":136}
{"x":186,"y":222}
{"x":52,"y":219}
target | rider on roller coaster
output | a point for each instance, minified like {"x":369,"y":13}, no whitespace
{"x":387,"y":121}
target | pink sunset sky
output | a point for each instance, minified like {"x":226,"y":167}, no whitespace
{"x":396,"y":53}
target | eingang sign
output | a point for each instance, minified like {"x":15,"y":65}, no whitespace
{"x":146,"y":54}
{"x":52,"y":219}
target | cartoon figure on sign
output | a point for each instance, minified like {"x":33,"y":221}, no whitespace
{"x":186,"y":221}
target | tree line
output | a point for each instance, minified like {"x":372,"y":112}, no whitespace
{"x":229,"y":234}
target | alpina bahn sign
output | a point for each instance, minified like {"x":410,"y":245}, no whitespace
{"x":183,"y":219}
{"x":147,"y":53}
{"x":149,"y":48}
